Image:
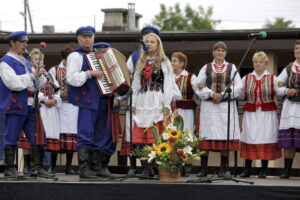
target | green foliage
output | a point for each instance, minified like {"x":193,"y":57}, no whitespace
{"x":279,"y":23}
{"x":175,"y":19}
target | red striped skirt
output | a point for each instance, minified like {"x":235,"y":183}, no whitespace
{"x":23,"y":142}
{"x":145,"y":135}
{"x":260,"y":151}
{"x":52,"y":145}
{"x":68,"y":142}
{"x":116,"y":127}
{"x":219,"y":145}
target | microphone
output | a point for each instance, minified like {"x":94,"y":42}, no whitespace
{"x":260,"y":35}
{"x":145,"y":47}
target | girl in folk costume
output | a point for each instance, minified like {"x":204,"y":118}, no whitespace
{"x":214,"y":109}
{"x":50,"y":100}
{"x":260,"y":122}
{"x":186,"y":105}
{"x":67,"y":114}
{"x":289,"y":128}
{"x":152,"y":87}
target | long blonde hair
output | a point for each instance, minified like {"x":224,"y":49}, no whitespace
{"x":159,"y":55}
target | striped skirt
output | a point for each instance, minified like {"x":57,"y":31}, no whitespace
{"x":218,"y":145}
{"x":260,"y":151}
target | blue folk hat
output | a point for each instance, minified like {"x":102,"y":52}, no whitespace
{"x":101,"y":45}
{"x":85,"y":30}
{"x":150,"y":29}
{"x":18,"y":36}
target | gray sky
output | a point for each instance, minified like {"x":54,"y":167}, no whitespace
{"x":68,"y":15}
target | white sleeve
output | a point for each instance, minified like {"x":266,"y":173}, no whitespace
{"x":75,"y":76}
{"x":204,"y":93}
{"x":237,"y":83}
{"x":283,"y":76}
{"x":130,"y":63}
{"x":136,"y":86}
{"x":280,"y":91}
{"x":169,"y":83}
{"x":13,"y":81}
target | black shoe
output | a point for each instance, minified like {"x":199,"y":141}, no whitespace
{"x":203,"y":170}
{"x":84,"y":158}
{"x":222,"y":169}
{"x":264,"y":168}
{"x":288,"y":162}
{"x":247,"y":170}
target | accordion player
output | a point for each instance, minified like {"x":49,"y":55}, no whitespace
{"x":113,"y":65}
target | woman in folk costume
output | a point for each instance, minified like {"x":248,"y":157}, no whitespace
{"x":260,"y":122}
{"x":211,"y":82}
{"x":67,"y":114}
{"x":289,"y":128}
{"x":186,"y":106}
{"x":152,"y":87}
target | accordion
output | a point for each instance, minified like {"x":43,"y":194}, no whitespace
{"x":112,"y":63}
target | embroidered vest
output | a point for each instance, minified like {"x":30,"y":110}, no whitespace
{"x":259,"y":93}
{"x":293,"y":81}
{"x":88,"y":95}
{"x":62,"y":81}
{"x":14,"y":102}
{"x":152,"y":78}
{"x":217,"y":82}
{"x":187,"y":92}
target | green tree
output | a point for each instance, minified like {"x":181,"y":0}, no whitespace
{"x":175,"y":19}
{"x":279,"y":22}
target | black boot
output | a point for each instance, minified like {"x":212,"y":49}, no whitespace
{"x":96,"y":165}
{"x":39,"y":159}
{"x":183,"y":171}
{"x":203,"y":170}
{"x":9,"y":159}
{"x":132,"y":171}
{"x":223,"y":166}
{"x":85,"y":165}
{"x":105,"y":158}
{"x":247,"y":169}
{"x":264,"y":168}
{"x":69,"y":170}
{"x":288,"y":162}
{"x":147,"y":170}
{"x":27,"y":165}
{"x":52,"y":166}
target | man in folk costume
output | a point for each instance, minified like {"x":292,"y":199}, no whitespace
{"x":18,"y":83}
{"x":100,"y":164}
{"x":93,"y":128}
{"x":211,"y":82}
{"x":186,"y":106}
{"x":68,"y":114}
{"x":289,"y":128}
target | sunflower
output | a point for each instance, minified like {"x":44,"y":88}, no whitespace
{"x":185,"y":157}
{"x":174,"y":133}
{"x":163,"y":148}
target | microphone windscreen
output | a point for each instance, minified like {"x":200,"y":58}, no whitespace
{"x":263,"y":34}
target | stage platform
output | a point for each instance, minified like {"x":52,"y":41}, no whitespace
{"x":69,"y":187}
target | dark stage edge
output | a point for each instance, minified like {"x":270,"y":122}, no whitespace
{"x":69,"y":187}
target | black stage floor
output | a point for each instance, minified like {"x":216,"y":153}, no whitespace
{"x":69,"y":187}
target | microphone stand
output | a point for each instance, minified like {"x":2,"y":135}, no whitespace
{"x":228,"y":90}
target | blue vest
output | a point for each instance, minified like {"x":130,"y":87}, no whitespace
{"x":88,"y":95}
{"x":14,"y":102}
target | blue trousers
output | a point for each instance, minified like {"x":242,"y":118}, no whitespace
{"x":94,"y":133}
{"x":15,"y":124}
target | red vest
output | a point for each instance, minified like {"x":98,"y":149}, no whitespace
{"x":259,"y":93}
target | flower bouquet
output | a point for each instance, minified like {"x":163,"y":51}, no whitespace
{"x":172,"y":149}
